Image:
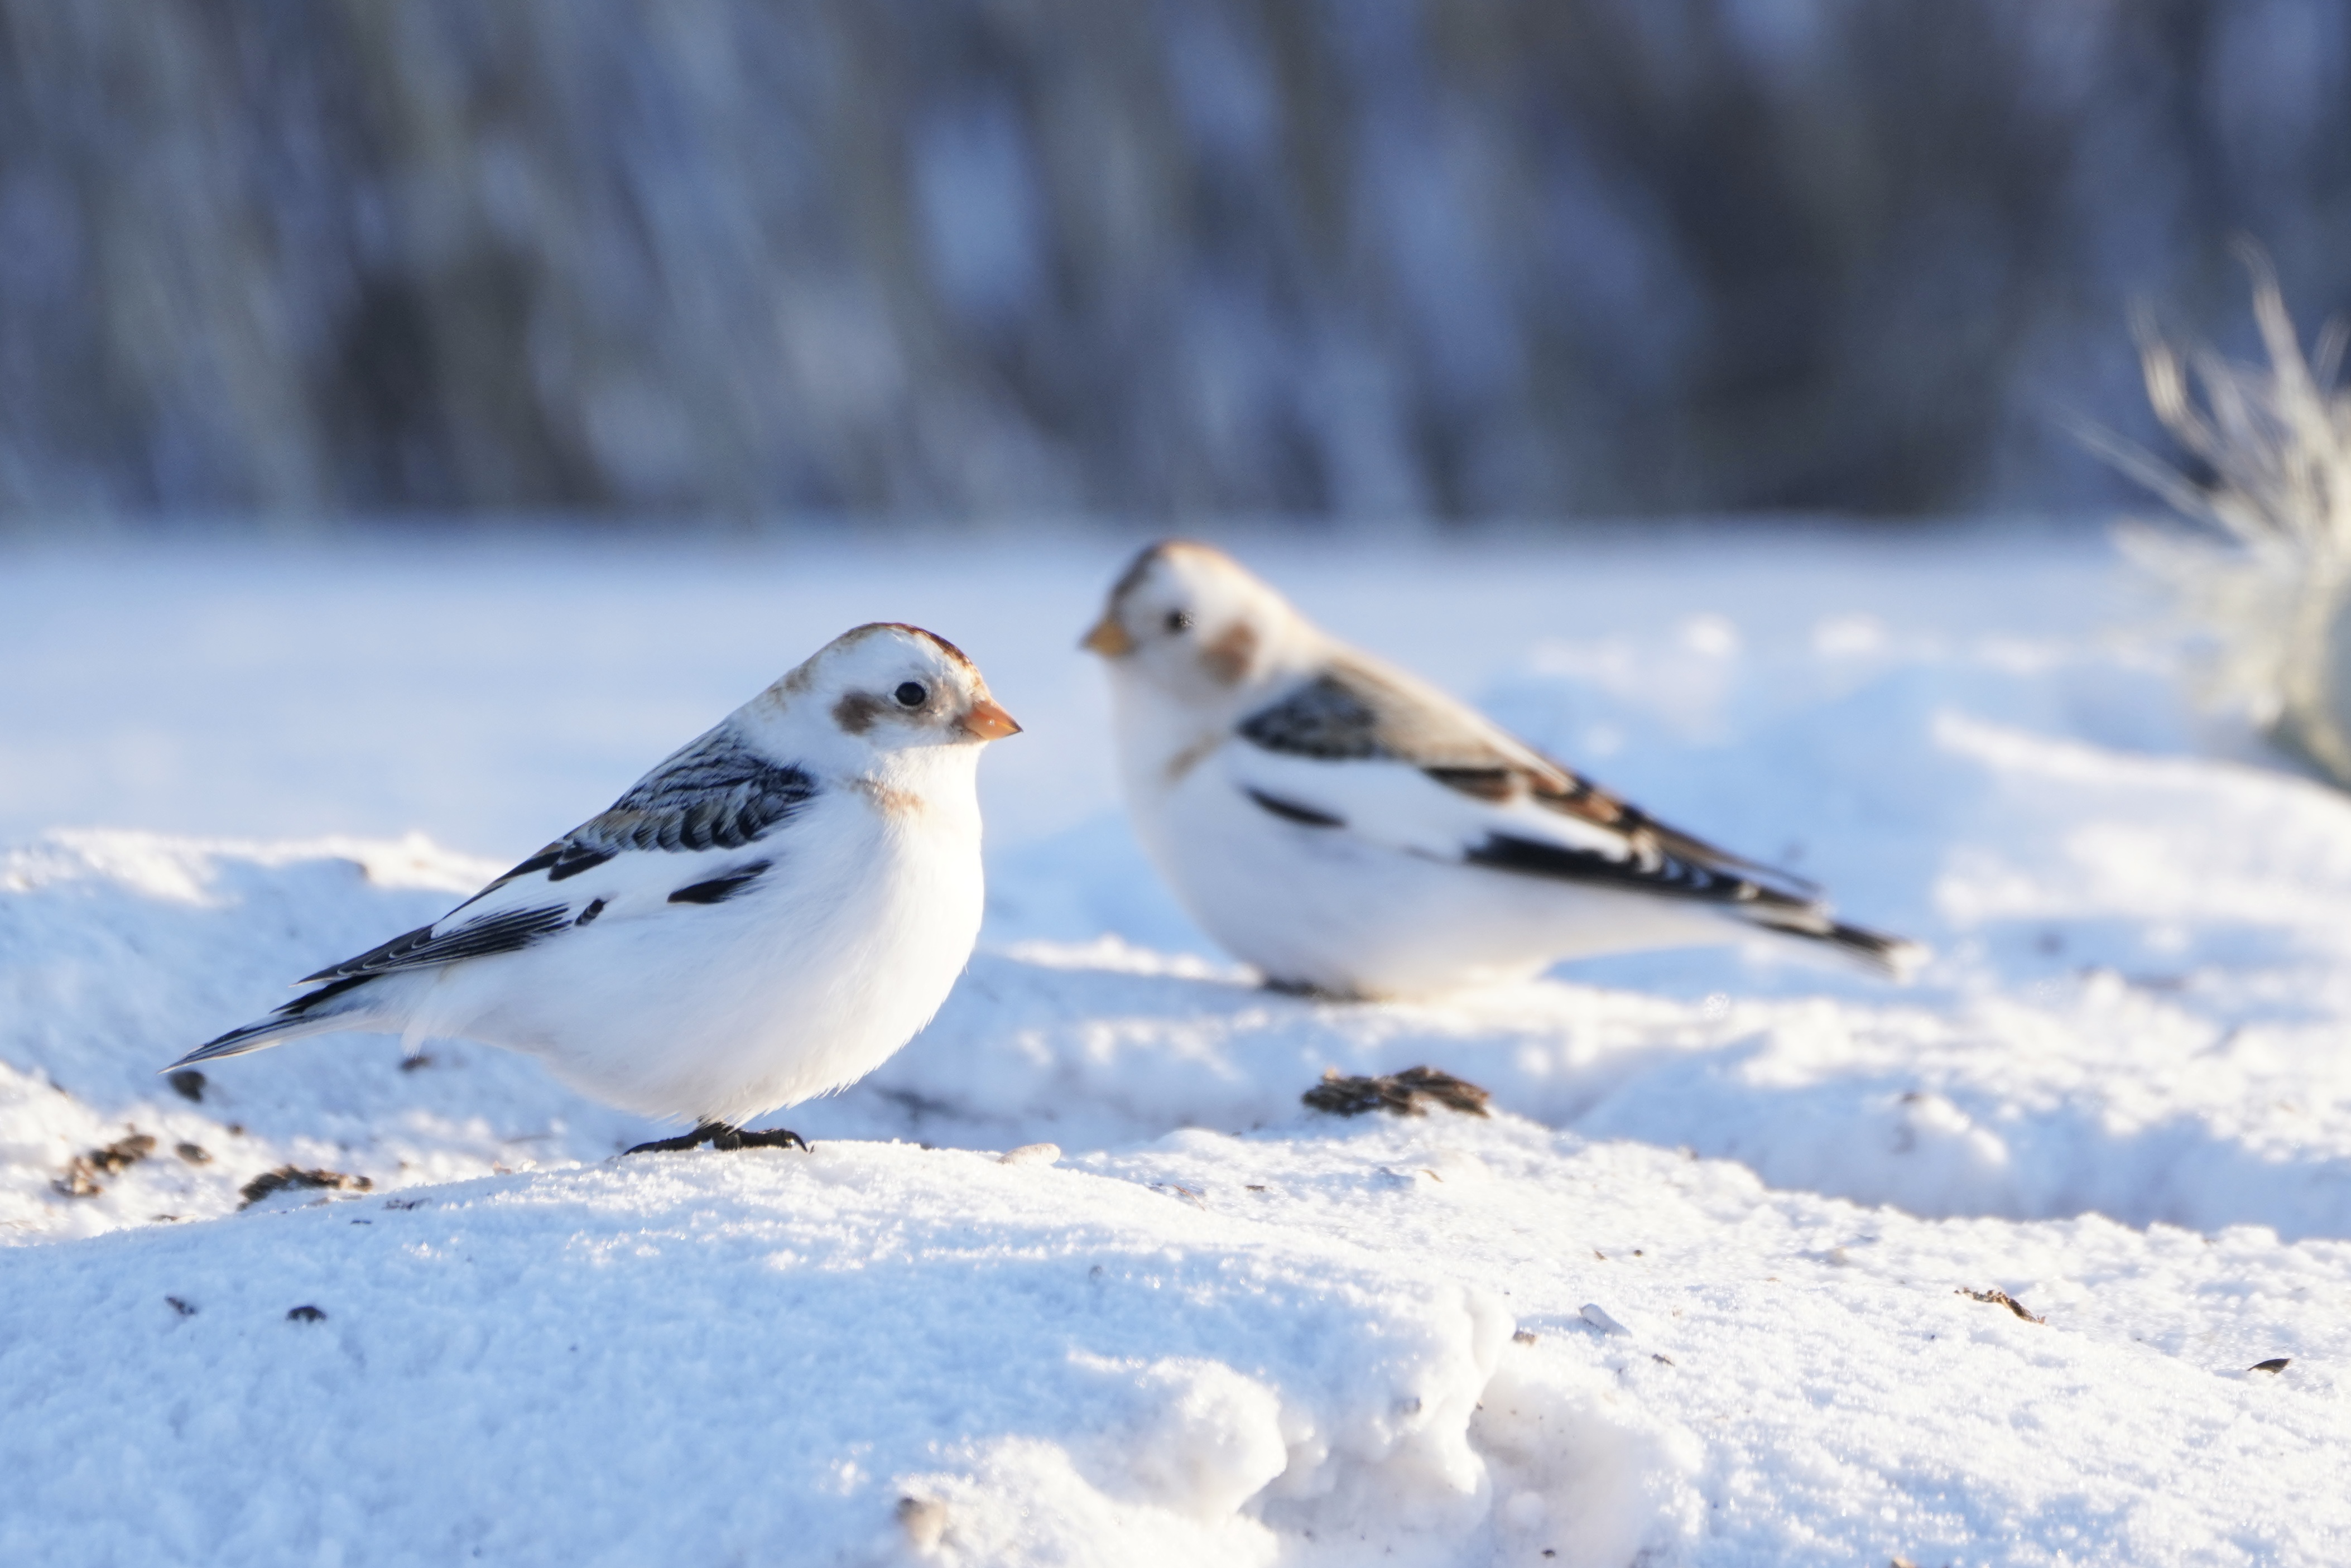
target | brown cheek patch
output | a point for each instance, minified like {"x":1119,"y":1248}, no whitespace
{"x":856,"y":711}
{"x":1227,"y":658}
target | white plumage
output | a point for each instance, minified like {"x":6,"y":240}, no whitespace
{"x":1350,"y":829}
{"x":768,"y":915}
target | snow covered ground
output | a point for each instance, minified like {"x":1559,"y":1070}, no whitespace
{"x":1691,"y":1294}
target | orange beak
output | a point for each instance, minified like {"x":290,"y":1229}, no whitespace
{"x":1109,"y":639}
{"x":986,"y":721}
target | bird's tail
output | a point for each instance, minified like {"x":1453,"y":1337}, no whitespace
{"x":1896,"y":957}
{"x":330,"y":1008}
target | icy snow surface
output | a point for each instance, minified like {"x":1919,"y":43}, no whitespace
{"x":1691,"y":1295}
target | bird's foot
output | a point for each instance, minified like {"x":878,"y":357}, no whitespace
{"x":719,"y":1135}
{"x":1309,"y":991}
{"x":769,"y":1138}
{"x":683,"y":1141}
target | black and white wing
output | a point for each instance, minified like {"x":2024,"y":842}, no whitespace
{"x":716,"y":793}
{"x":697,"y":829}
{"x":689,"y":830}
{"x":1370,"y":750}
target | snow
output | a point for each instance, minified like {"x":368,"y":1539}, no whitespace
{"x":1076,"y":1278}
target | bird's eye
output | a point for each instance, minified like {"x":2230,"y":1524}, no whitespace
{"x":1180,"y":621}
{"x":911,"y":693}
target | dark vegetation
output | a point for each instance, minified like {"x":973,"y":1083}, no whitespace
{"x":1461,"y":258}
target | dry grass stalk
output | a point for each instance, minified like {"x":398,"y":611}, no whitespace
{"x":2267,"y":579}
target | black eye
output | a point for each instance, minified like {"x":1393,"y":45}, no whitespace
{"x":911,"y":693}
{"x":1180,"y":621}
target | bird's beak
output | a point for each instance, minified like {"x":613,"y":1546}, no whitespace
{"x":1109,"y":639}
{"x":986,"y":721}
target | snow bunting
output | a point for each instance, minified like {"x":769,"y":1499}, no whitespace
{"x":1350,"y":829}
{"x":767,"y":915}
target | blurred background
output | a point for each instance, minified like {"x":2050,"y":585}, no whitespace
{"x":743,"y":259}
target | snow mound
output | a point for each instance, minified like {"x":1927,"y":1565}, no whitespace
{"x":2189,"y":1074}
{"x":124,"y":950}
{"x":2042,"y":1260}
{"x":783,"y":1350}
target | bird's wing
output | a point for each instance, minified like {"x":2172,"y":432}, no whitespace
{"x":715,"y":793}
{"x":449,"y":939}
{"x":697,"y":829}
{"x":677,"y":832}
{"x":1375,"y":751}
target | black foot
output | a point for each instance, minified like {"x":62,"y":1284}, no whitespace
{"x":1309,"y":991}
{"x":719,"y":1135}
{"x":770,"y":1138}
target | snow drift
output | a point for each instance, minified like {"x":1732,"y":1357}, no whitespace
{"x":1720,"y":1280}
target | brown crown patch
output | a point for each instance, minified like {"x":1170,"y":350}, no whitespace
{"x":949,"y":649}
{"x":1140,"y":567}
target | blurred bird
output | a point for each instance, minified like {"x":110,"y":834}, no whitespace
{"x":768,"y":915}
{"x":1349,"y":829}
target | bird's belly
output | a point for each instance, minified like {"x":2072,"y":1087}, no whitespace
{"x":804,"y":983}
{"x":1323,"y":907}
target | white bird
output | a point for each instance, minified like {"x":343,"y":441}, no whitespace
{"x":1350,"y":829}
{"x":767,"y":915}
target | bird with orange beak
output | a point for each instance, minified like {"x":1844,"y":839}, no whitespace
{"x":1352,"y":830}
{"x":768,"y":915}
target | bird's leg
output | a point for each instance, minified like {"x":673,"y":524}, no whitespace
{"x":722,"y":1135}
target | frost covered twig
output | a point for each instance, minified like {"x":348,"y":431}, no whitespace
{"x":2270,"y":590}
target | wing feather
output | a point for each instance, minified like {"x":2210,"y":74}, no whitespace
{"x":715,"y":793}
{"x":712,"y":795}
{"x":507,"y":931}
{"x":1511,"y":808}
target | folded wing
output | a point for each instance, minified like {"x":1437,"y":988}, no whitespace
{"x":1370,"y":750}
{"x":715,"y":793}
{"x":675,"y":839}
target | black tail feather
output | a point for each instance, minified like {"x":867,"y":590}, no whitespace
{"x":1897,"y":957}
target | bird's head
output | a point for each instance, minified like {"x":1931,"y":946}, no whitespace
{"x":890,"y":688}
{"x":1189,"y":618}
